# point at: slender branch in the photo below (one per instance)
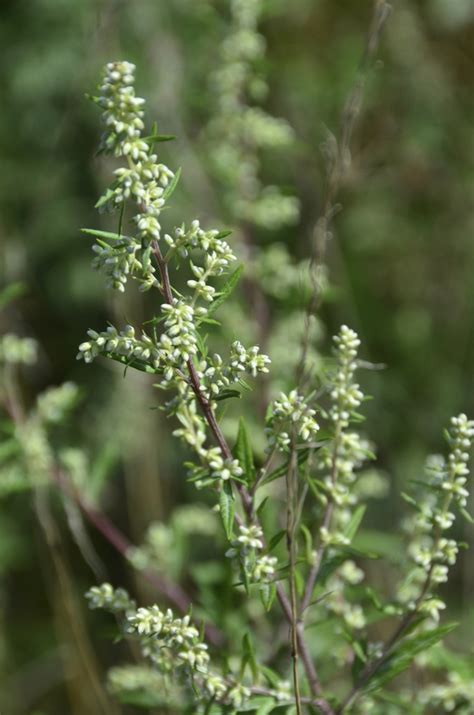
(372, 668)
(339, 161)
(291, 547)
(314, 571)
(173, 592)
(246, 498)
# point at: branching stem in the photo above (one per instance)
(246, 498)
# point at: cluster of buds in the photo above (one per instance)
(123, 258)
(216, 375)
(347, 451)
(109, 598)
(15, 350)
(55, 402)
(122, 112)
(258, 568)
(432, 552)
(290, 411)
(196, 238)
(238, 131)
(351, 613)
(179, 339)
(170, 644)
(345, 394)
(123, 344)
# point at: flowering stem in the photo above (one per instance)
(246, 498)
(406, 621)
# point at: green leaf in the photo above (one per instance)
(243, 452)
(227, 394)
(104, 234)
(248, 657)
(340, 554)
(171, 186)
(273, 678)
(403, 656)
(275, 540)
(355, 522)
(224, 294)
(9, 448)
(466, 515)
(141, 698)
(261, 507)
(267, 595)
(157, 138)
(410, 500)
(104, 198)
(11, 292)
(360, 659)
(209, 321)
(227, 508)
(282, 470)
(134, 363)
(101, 470)
(308, 541)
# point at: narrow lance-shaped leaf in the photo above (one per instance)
(225, 293)
(172, 185)
(403, 656)
(11, 292)
(355, 522)
(227, 508)
(248, 657)
(243, 452)
(103, 234)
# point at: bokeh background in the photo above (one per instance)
(400, 264)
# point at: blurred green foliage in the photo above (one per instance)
(400, 263)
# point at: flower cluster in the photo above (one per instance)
(352, 613)
(15, 350)
(122, 113)
(143, 181)
(257, 567)
(345, 394)
(185, 240)
(456, 695)
(216, 375)
(347, 451)
(121, 345)
(286, 412)
(147, 183)
(179, 340)
(55, 402)
(239, 130)
(105, 596)
(123, 258)
(430, 549)
(171, 644)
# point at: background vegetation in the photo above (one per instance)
(400, 266)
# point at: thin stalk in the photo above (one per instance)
(291, 547)
(339, 161)
(314, 571)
